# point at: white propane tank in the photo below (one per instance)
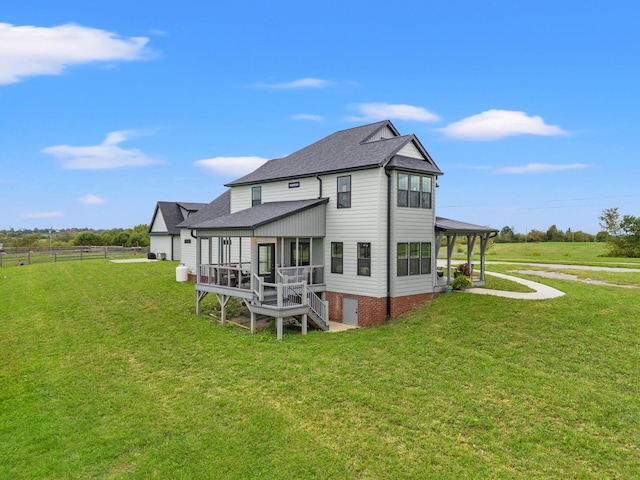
(182, 273)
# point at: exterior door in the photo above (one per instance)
(350, 311)
(267, 262)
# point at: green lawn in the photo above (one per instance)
(106, 372)
(581, 253)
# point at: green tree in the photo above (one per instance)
(554, 235)
(624, 233)
(87, 239)
(536, 236)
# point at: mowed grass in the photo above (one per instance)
(578, 253)
(106, 372)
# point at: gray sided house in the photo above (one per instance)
(342, 230)
(163, 231)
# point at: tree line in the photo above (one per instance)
(137, 236)
(553, 234)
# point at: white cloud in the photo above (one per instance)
(43, 215)
(297, 84)
(539, 168)
(93, 200)
(231, 166)
(308, 116)
(104, 156)
(496, 124)
(383, 111)
(29, 50)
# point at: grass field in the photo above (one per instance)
(106, 372)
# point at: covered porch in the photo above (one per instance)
(452, 230)
(271, 256)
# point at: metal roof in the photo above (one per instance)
(455, 226)
(262, 214)
(341, 151)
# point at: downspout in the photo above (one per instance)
(320, 186)
(388, 174)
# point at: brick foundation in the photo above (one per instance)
(372, 310)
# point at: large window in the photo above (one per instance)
(414, 258)
(336, 257)
(414, 191)
(256, 196)
(344, 192)
(364, 259)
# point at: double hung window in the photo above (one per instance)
(414, 258)
(344, 191)
(336, 257)
(414, 191)
(364, 259)
(256, 196)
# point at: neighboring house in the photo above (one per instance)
(163, 231)
(343, 230)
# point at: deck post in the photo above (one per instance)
(223, 299)
(304, 324)
(253, 322)
(279, 327)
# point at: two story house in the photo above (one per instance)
(343, 230)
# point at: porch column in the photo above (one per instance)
(471, 241)
(198, 257)
(451, 242)
(484, 241)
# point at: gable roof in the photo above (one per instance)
(352, 149)
(259, 215)
(462, 228)
(219, 207)
(173, 213)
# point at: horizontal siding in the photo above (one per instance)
(410, 225)
(365, 221)
(275, 192)
(410, 150)
(383, 133)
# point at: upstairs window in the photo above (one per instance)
(414, 191)
(256, 196)
(364, 259)
(336, 257)
(344, 191)
(403, 190)
(425, 197)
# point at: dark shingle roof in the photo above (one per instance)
(413, 164)
(462, 228)
(172, 214)
(259, 215)
(219, 207)
(340, 151)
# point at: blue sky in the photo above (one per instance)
(531, 109)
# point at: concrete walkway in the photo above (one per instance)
(542, 292)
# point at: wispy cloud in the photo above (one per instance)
(104, 156)
(93, 200)
(297, 84)
(43, 215)
(29, 50)
(539, 168)
(230, 166)
(497, 124)
(383, 111)
(308, 116)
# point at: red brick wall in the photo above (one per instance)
(372, 310)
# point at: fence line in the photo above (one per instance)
(26, 256)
